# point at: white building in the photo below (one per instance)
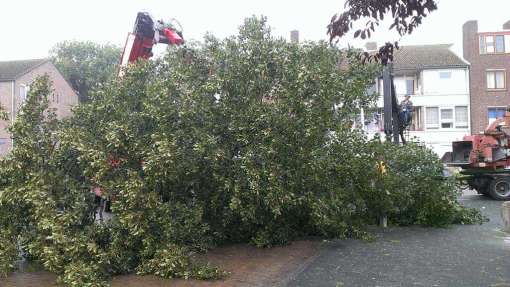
(438, 82)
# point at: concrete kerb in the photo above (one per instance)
(505, 215)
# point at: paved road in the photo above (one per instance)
(476, 255)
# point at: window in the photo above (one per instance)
(496, 80)
(461, 117)
(23, 92)
(495, 113)
(55, 97)
(417, 120)
(489, 44)
(432, 117)
(491, 80)
(445, 75)
(500, 44)
(482, 45)
(446, 118)
(409, 87)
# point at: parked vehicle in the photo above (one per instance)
(484, 159)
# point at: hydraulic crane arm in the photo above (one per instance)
(146, 33)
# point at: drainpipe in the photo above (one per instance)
(12, 107)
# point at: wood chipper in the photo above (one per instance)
(484, 159)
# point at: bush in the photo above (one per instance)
(245, 139)
(174, 261)
(413, 189)
(8, 254)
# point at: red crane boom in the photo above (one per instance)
(146, 33)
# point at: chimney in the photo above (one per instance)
(506, 26)
(294, 36)
(470, 42)
(371, 46)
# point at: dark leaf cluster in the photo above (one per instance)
(407, 15)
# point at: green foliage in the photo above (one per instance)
(174, 262)
(3, 114)
(86, 65)
(8, 253)
(79, 273)
(413, 190)
(236, 140)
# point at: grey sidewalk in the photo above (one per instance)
(475, 255)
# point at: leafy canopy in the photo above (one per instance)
(86, 65)
(246, 139)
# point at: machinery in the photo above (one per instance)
(484, 159)
(396, 120)
(146, 33)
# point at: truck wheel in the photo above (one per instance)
(480, 184)
(499, 188)
(483, 191)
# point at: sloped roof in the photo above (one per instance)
(10, 70)
(411, 59)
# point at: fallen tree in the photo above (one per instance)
(246, 139)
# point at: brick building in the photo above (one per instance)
(15, 80)
(489, 56)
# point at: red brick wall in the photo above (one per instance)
(481, 98)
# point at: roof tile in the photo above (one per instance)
(10, 70)
(411, 59)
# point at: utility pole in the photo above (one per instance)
(391, 123)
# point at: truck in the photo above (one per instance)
(484, 159)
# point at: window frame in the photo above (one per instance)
(412, 81)
(461, 125)
(430, 126)
(23, 97)
(487, 44)
(454, 124)
(418, 120)
(495, 71)
(496, 108)
(446, 121)
(445, 75)
(483, 43)
(496, 44)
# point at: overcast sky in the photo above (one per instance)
(29, 28)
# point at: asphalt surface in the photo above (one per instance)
(471, 255)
